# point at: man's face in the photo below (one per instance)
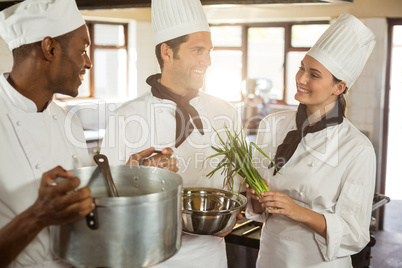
(190, 63)
(74, 62)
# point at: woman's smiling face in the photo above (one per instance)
(315, 85)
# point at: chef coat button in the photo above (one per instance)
(328, 138)
(311, 164)
(301, 194)
(74, 156)
(54, 117)
(37, 166)
(111, 107)
(18, 123)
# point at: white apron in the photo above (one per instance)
(149, 121)
(32, 143)
(331, 172)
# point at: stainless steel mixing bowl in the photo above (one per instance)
(210, 211)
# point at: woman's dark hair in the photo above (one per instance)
(341, 97)
(174, 44)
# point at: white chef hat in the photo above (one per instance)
(32, 20)
(344, 48)
(174, 18)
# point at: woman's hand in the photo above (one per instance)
(163, 159)
(255, 199)
(280, 203)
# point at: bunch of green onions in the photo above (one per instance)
(238, 160)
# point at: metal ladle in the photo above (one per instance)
(103, 164)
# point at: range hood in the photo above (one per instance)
(108, 4)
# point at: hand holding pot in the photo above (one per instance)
(163, 159)
(53, 206)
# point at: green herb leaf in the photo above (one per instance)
(238, 160)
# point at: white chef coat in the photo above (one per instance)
(331, 172)
(150, 121)
(32, 143)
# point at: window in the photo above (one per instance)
(265, 57)
(303, 37)
(226, 63)
(270, 53)
(108, 77)
(110, 60)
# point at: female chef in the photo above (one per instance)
(319, 208)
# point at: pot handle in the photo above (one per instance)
(92, 219)
(103, 164)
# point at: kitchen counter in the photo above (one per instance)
(243, 243)
(245, 233)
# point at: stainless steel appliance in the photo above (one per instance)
(140, 228)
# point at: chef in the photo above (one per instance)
(39, 140)
(323, 183)
(175, 113)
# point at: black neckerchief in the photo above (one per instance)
(293, 138)
(184, 110)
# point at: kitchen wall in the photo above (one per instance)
(142, 63)
(262, 13)
(272, 12)
(142, 56)
(365, 99)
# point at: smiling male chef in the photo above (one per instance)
(49, 42)
(175, 113)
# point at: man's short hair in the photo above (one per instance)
(174, 44)
(23, 51)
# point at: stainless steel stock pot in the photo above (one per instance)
(140, 228)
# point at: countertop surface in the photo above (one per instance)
(246, 233)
